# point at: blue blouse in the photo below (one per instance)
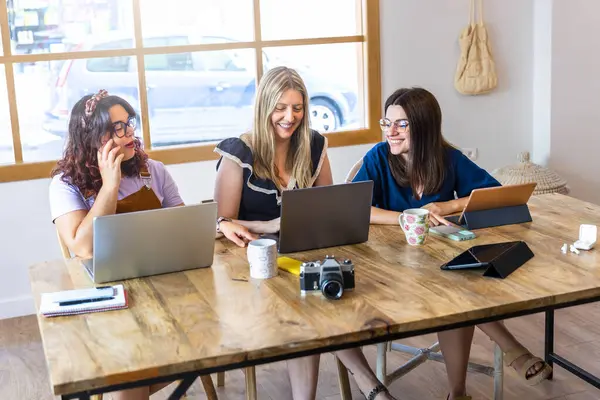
(462, 176)
(261, 199)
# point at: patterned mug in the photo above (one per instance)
(262, 257)
(415, 224)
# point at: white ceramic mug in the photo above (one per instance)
(262, 256)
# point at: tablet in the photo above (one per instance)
(496, 197)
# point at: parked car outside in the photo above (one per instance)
(192, 97)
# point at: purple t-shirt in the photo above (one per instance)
(65, 198)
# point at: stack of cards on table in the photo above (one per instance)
(82, 301)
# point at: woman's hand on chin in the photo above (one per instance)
(238, 234)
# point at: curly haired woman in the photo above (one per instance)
(105, 171)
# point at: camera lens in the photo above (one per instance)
(332, 289)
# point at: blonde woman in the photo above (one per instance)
(280, 153)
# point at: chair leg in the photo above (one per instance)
(250, 374)
(382, 349)
(220, 379)
(209, 387)
(343, 380)
(498, 373)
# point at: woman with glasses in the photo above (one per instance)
(417, 168)
(105, 171)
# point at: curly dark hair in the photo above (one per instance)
(79, 164)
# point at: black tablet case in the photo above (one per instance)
(505, 263)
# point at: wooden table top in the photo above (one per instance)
(217, 316)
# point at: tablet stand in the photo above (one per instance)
(495, 217)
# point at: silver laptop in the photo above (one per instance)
(324, 216)
(153, 242)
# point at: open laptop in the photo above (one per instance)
(495, 197)
(324, 216)
(152, 242)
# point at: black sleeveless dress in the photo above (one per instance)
(261, 200)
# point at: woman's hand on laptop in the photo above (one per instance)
(238, 234)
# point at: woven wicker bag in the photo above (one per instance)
(525, 172)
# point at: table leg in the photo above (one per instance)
(183, 387)
(549, 339)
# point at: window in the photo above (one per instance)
(109, 64)
(190, 70)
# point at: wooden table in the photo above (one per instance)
(183, 325)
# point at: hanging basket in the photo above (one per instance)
(525, 171)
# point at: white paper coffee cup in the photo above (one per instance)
(262, 256)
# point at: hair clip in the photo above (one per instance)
(90, 105)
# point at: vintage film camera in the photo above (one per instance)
(331, 277)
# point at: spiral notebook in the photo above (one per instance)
(81, 301)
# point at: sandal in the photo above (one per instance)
(514, 354)
(376, 390)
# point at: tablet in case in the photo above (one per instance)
(496, 206)
(499, 259)
(493, 217)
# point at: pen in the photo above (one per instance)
(74, 302)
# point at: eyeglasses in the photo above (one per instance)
(400, 125)
(119, 128)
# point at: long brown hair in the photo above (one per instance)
(262, 138)
(79, 164)
(425, 166)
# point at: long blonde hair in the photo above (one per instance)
(262, 137)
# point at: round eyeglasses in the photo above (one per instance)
(119, 128)
(401, 125)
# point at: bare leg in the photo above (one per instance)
(142, 393)
(456, 348)
(357, 364)
(132, 394)
(502, 336)
(158, 386)
(304, 373)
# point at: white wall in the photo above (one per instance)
(418, 47)
(575, 118)
(542, 81)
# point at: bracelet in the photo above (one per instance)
(221, 219)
